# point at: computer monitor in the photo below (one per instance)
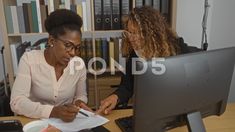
(193, 86)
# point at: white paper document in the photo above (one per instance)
(79, 123)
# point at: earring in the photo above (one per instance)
(49, 45)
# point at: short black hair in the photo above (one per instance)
(61, 20)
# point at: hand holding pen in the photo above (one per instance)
(67, 112)
(82, 105)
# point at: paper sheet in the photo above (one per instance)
(80, 122)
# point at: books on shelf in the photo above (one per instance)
(108, 14)
(28, 16)
(105, 48)
(18, 49)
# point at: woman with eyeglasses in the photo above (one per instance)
(147, 35)
(44, 86)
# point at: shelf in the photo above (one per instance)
(108, 31)
(25, 34)
(86, 34)
(107, 34)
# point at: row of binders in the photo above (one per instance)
(111, 14)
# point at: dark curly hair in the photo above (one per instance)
(61, 20)
(158, 38)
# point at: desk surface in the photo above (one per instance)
(223, 123)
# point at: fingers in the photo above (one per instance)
(68, 113)
(68, 119)
(109, 108)
(108, 104)
(85, 107)
(104, 105)
(52, 129)
(72, 108)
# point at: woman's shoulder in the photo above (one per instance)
(185, 48)
(32, 56)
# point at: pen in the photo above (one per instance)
(83, 113)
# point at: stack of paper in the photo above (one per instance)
(80, 122)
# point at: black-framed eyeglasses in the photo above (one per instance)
(69, 46)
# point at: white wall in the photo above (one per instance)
(189, 17)
(1, 67)
(222, 33)
(221, 28)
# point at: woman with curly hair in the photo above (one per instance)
(44, 87)
(147, 35)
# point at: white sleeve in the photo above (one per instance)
(81, 89)
(20, 102)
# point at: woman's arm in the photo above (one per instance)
(81, 89)
(80, 98)
(125, 89)
(20, 102)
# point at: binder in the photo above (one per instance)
(107, 13)
(148, 3)
(20, 16)
(26, 17)
(111, 55)
(98, 14)
(88, 8)
(84, 14)
(73, 8)
(38, 11)
(139, 3)
(9, 21)
(43, 9)
(165, 8)
(116, 23)
(116, 49)
(157, 4)
(35, 21)
(89, 49)
(105, 50)
(125, 8)
(83, 52)
(30, 17)
(56, 4)
(14, 19)
(98, 46)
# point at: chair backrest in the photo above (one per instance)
(40, 41)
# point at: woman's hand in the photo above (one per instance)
(50, 128)
(108, 104)
(67, 113)
(82, 105)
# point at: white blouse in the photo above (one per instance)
(36, 90)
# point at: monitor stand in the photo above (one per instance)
(195, 123)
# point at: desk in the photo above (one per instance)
(224, 123)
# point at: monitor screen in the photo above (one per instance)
(167, 91)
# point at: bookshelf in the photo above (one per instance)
(98, 85)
